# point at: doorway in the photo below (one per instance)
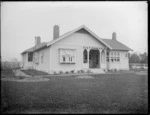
(94, 57)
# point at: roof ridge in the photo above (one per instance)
(76, 29)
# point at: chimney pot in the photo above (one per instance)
(55, 32)
(114, 36)
(37, 40)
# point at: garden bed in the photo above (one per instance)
(33, 72)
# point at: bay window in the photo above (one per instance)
(67, 56)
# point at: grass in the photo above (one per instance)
(8, 73)
(107, 93)
(137, 70)
(34, 72)
(5, 73)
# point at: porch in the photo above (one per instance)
(94, 58)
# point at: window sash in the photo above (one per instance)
(30, 57)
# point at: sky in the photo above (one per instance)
(22, 21)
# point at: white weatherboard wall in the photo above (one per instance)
(124, 60)
(45, 66)
(75, 41)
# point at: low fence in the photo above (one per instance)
(10, 65)
(138, 66)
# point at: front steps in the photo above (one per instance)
(97, 70)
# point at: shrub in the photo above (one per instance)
(89, 71)
(55, 72)
(61, 72)
(82, 71)
(111, 70)
(78, 71)
(105, 70)
(115, 70)
(67, 72)
(72, 71)
(21, 77)
(121, 70)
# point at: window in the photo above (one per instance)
(70, 59)
(118, 56)
(30, 57)
(112, 59)
(64, 59)
(85, 56)
(107, 56)
(115, 57)
(67, 56)
(118, 59)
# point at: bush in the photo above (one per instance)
(72, 71)
(82, 71)
(78, 71)
(55, 72)
(21, 77)
(67, 72)
(61, 72)
(89, 71)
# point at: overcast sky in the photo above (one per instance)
(22, 21)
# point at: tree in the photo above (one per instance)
(134, 58)
(14, 60)
(144, 58)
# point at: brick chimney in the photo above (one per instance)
(55, 32)
(114, 36)
(37, 40)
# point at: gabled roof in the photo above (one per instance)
(111, 44)
(32, 49)
(116, 45)
(75, 30)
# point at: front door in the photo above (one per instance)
(94, 59)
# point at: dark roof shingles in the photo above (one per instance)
(32, 49)
(116, 45)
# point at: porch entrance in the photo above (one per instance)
(94, 57)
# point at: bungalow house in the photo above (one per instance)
(75, 50)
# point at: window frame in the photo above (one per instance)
(85, 56)
(67, 59)
(114, 57)
(30, 56)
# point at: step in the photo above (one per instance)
(97, 70)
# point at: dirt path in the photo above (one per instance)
(85, 77)
(18, 72)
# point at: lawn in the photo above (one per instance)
(106, 93)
